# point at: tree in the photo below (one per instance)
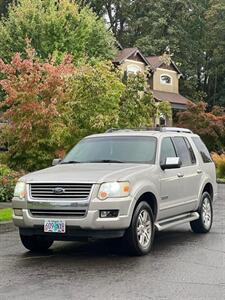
(34, 92)
(137, 105)
(4, 6)
(215, 18)
(209, 125)
(55, 28)
(93, 100)
(192, 31)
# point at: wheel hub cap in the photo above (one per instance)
(206, 213)
(144, 228)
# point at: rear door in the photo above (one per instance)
(189, 174)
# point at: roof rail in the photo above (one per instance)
(158, 128)
(131, 129)
(175, 129)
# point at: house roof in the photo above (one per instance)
(171, 97)
(125, 53)
(156, 61)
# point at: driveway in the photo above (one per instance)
(182, 265)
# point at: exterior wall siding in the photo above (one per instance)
(128, 62)
(157, 85)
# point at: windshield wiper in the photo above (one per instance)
(70, 162)
(105, 161)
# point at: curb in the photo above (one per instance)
(7, 226)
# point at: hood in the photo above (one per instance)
(85, 172)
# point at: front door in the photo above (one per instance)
(170, 189)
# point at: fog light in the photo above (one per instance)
(109, 213)
(18, 212)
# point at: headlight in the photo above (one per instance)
(20, 190)
(113, 190)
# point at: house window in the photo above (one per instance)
(165, 79)
(133, 69)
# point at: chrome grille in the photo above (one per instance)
(56, 213)
(60, 190)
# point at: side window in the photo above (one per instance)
(191, 151)
(202, 149)
(182, 151)
(167, 150)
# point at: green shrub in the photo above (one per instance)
(8, 180)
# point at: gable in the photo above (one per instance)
(168, 67)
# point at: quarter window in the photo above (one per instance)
(202, 149)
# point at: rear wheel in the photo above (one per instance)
(204, 223)
(36, 243)
(139, 236)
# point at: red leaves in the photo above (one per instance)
(34, 92)
(209, 125)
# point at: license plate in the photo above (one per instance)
(55, 226)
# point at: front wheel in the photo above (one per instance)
(139, 236)
(204, 223)
(36, 243)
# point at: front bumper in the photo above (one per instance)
(91, 220)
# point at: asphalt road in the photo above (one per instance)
(182, 265)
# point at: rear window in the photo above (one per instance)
(202, 149)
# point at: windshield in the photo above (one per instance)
(114, 150)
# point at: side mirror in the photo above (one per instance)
(56, 161)
(171, 163)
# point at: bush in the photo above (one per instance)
(34, 91)
(209, 125)
(8, 179)
(220, 164)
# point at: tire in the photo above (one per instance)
(204, 223)
(139, 236)
(36, 243)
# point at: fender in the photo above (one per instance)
(203, 184)
(139, 189)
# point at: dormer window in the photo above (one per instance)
(165, 79)
(133, 69)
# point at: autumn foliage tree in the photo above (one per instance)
(209, 125)
(34, 91)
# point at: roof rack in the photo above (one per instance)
(158, 128)
(175, 129)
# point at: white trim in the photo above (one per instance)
(134, 61)
(165, 83)
(138, 69)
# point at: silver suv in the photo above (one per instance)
(122, 184)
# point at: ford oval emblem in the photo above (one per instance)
(58, 191)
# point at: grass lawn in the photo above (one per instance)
(5, 214)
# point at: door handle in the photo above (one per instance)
(199, 171)
(180, 175)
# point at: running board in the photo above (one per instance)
(184, 218)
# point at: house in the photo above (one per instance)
(163, 79)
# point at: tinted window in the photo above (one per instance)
(202, 149)
(182, 151)
(121, 149)
(167, 150)
(191, 151)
